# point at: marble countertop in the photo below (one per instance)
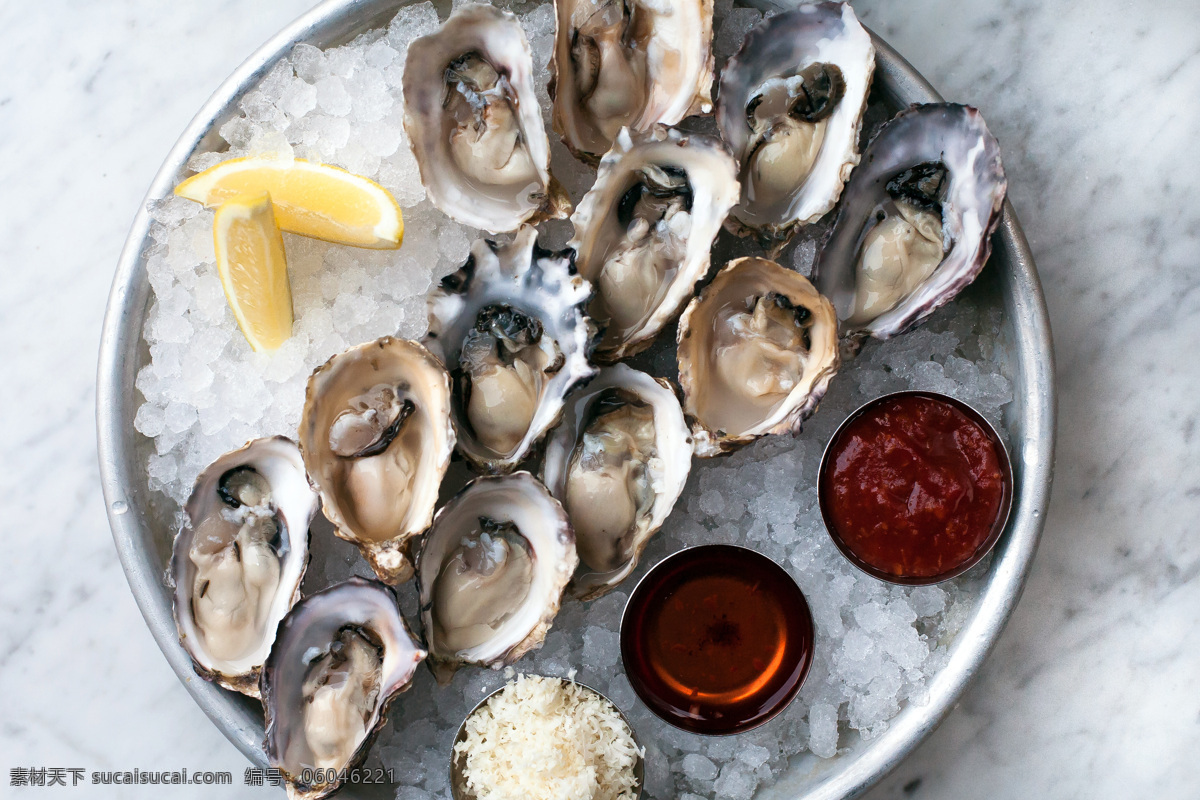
(1091, 691)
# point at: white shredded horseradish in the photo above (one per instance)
(548, 739)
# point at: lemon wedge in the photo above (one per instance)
(253, 269)
(311, 199)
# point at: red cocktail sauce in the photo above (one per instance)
(914, 487)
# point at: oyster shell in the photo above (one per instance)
(618, 463)
(475, 125)
(757, 349)
(790, 106)
(916, 220)
(238, 561)
(510, 327)
(377, 439)
(341, 657)
(491, 573)
(627, 63)
(644, 231)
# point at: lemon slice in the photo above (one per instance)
(253, 269)
(310, 199)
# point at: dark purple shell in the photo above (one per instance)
(308, 629)
(540, 284)
(957, 137)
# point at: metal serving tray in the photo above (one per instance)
(143, 539)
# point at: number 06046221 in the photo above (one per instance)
(320, 776)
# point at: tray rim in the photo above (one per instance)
(1033, 412)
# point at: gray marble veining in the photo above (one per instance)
(1091, 691)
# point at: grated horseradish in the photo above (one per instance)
(546, 739)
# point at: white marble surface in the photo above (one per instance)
(1092, 691)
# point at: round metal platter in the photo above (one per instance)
(142, 530)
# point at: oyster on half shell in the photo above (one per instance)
(618, 462)
(757, 349)
(238, 561)
(790, 106)
(644, 231)
(916, 220)
(491, 573)
(377, 439)
(628, 64)
(341, 657)
(511, 329)
(474, 122)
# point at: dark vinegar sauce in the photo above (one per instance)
(717, 639)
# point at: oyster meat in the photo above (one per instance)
(341, 657)
(644, 231)
(757, 349)
(618, 462)
(510, 327)
(791, 105)
(916, 221)
(377, 439)
(474, 122)
(238, 561)
(628, 64)
(491, 573)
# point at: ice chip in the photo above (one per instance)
(412, 22)
(601, 647)
(355, 158)
(822, 730)
(698, 768)
(380, 54)
(259, 108)
(309, 62)
(345, 61)
(149, 420)
(453, 243)
(380, 138)
(412, 792)
(162, 469)
(927, 600)
(735, 783)
(754, 756)
(178, 417)
(202, 161)
(712, 503)
(856, 645)
(299, 98)
(332, 97)
(239, 131)
(273, 145)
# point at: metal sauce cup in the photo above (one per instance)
(1002, 513)
(722, 710)
(458, 781)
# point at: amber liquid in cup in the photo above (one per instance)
(717, 639)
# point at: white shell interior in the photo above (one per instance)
(782, 46)
(668, 470)
(712, 176)
(278, 460)
(521, 499)
(402, 482)
(498, 38)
